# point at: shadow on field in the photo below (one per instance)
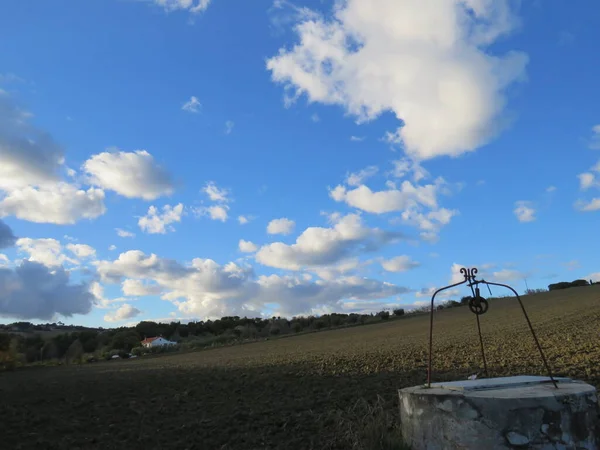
(141, 404)
(213, 408)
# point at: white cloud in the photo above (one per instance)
(429, 223)
(428, 293)
(595, 277)
(551, 189)
(124, 233)
(82, 251)
(208, 290)
(318, 246)
(247, 246)
(193, 105)
(215, 212)
(405, 166)
(357, 138)
(136, 288)
(506, 275)
(131, 174)
(524, 211)
(430, 66)
(48, 252)
(595, 140)
(35, 291)
(156, 223)
(281, 226)
(243, 220)
(60, 204)
(399, 264)
(28, 155)
(315, 118)
(124, 312)
(391, 200)
(592, 205)
(112, 248)
(229, 126)
(357, 178)
(97, 290)
(587, 180)
(193, 6)
(215, 193)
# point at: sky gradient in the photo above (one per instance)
(191, 159)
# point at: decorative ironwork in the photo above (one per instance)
(479, 306)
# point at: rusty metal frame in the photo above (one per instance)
(470, 278)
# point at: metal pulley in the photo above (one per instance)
(478, 305)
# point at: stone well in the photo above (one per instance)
(501, 413)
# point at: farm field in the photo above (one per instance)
(331, 389)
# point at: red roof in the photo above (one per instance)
(149, 340)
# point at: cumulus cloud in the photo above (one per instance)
(215, 212)
(318, 246)
(243, 220)
(215, 193)
(357, 178)
(193, 105)
(97, 290)
(34, 291)
(247, 246)
(524, 211)
(281, 226)
(82, 250)
(193, 6)
(7, 238)
(207, 289)
(589, 180)
(430, 66)
(506, 275)
(112, 248)
(124, 233)
(399, 264)
(592, 205)
(229, 126)
(137, 288)
(59, 204)
(48, 252)
(391, 200)
(155, 222)
(28, 155)
(124, 312)
(131, 174)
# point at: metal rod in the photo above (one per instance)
(482, 348)
(537, 342)
(467, 277)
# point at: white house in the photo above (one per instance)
(157, 342)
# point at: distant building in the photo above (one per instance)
(157, 342)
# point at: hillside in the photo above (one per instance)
(333, 389)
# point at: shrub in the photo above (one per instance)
(399, 312)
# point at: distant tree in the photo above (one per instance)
(75, 352)
(383, 315)
(49, 350)
(465, 300)
(399, 312)
(319, 324)
(296, 327)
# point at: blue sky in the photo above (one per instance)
(290, 158)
